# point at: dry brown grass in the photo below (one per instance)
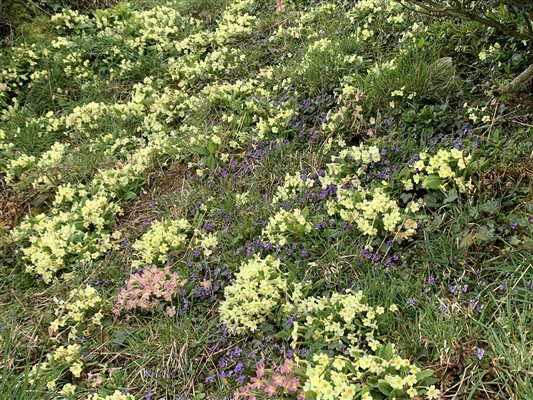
(11, 208)
(498, 181)
(170, 179)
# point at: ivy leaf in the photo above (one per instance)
(120, 337)
(433, 182)
(451, 196)
(431, 200)
(478, 165)
(491, 207)
(405, 197)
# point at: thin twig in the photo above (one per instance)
(461, 12)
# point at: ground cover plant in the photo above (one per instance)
(205, 199)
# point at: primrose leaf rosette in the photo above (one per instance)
(347, 359)
(259, 288)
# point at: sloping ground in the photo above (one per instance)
(209, 200)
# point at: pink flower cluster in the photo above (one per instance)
(145, 289)
(279, 382)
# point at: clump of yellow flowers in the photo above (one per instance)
(170, 236)
(350, 165)
(368, 206)
(76, 319)
(440, 171)
(285, 225)
(78, 228)
(350, 360)
(81, 309)
(371, 206)
(206, 240)
(117, 395)
(369, 210)
(259, 287)
(293, 185)
(160, 240)
(53, 240)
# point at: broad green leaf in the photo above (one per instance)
(432, 182)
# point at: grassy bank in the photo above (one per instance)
(203, 199)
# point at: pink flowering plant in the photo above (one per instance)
(147, 289)
(280, 381)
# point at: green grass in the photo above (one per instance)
(462, 282)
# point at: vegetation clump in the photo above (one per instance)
(253, 199)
